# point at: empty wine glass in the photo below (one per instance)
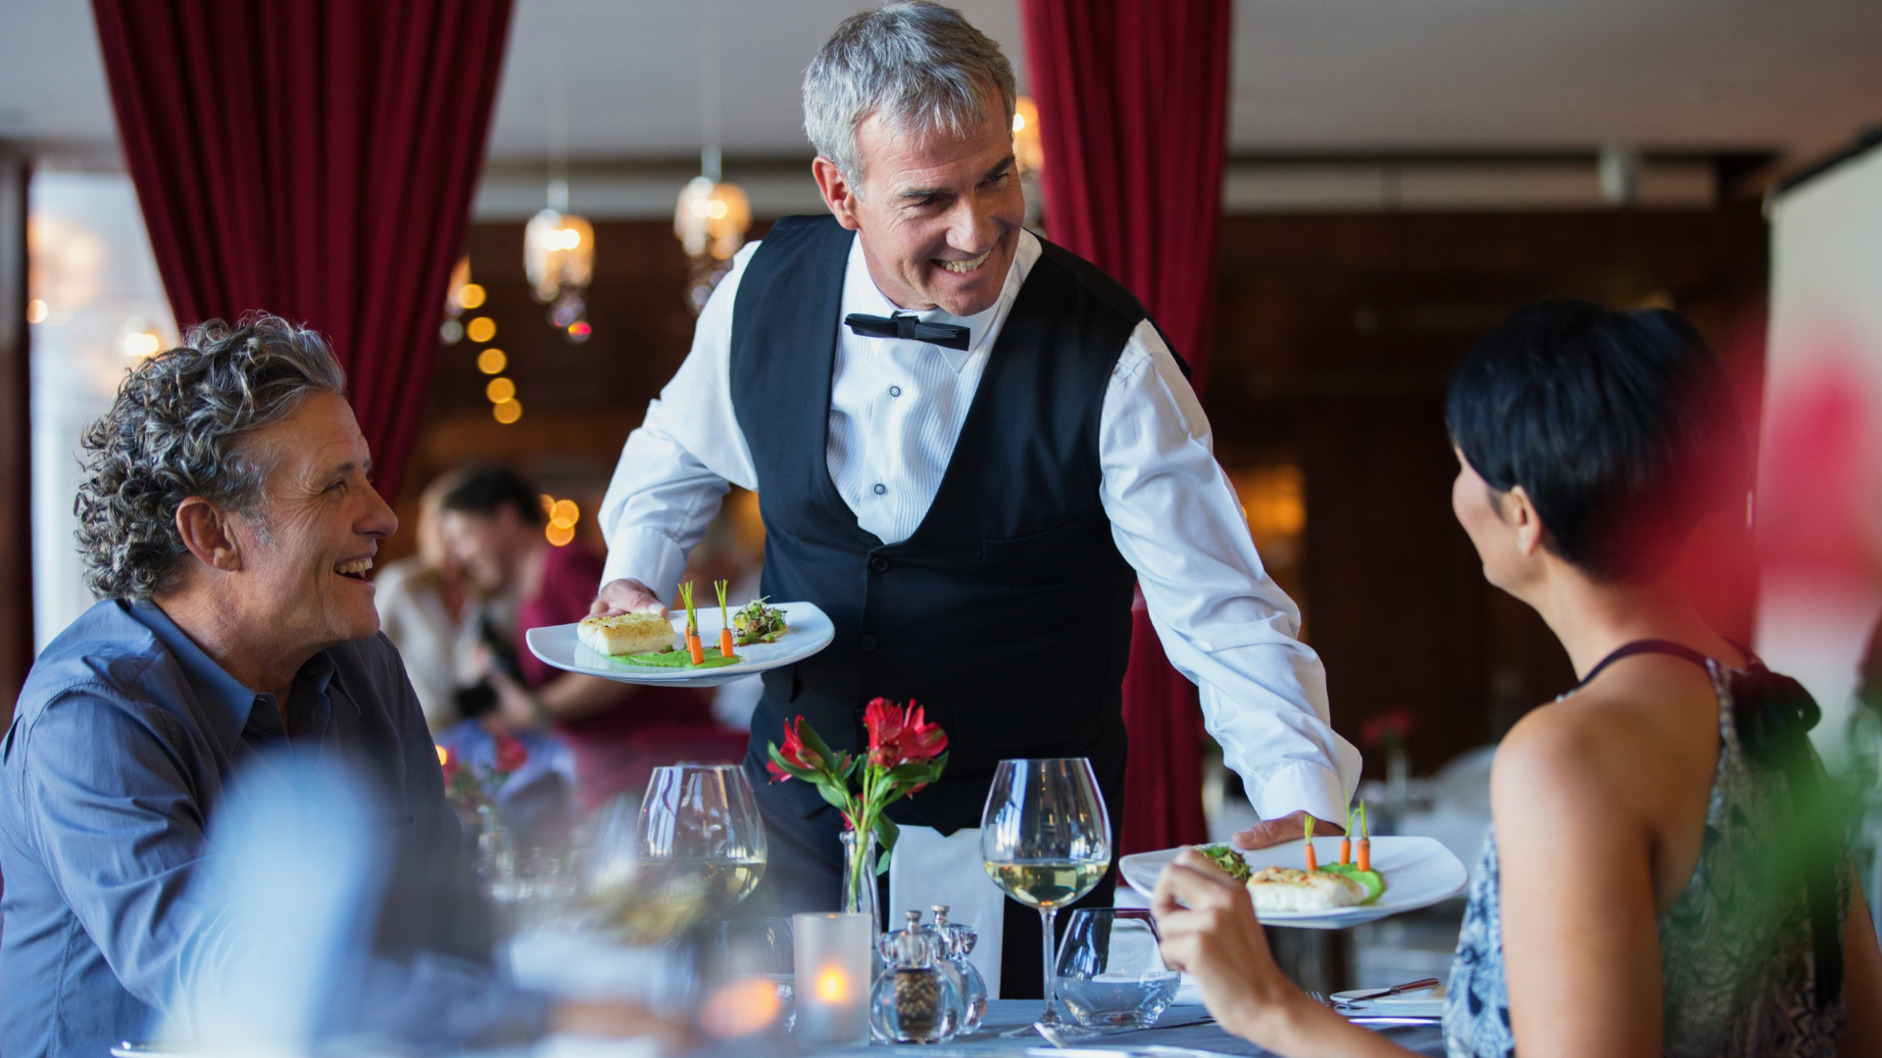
(1111, 971)
(1045, 838)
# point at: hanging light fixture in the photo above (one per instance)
(712, 215)
(558, 246)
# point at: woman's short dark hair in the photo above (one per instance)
(488, 488)
(1621, 427)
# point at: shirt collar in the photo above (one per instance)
(226, 701)
(860, 294)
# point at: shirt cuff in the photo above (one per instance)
(645, 555)
(1314, 788)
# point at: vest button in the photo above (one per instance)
(895, 391)
(869, 643)
(881, 488)
(879, 564)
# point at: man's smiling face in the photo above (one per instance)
(304, 561)
(939, 216)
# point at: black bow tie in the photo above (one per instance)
(904, 325)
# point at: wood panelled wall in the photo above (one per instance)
(1335, 336)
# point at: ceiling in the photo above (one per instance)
(1311, 76)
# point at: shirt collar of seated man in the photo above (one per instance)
(264, 591)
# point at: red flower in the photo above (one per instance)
(511, 754)
(447, 761)
(794, 752)
(1390, 728)
(901, 735)
(922, 740)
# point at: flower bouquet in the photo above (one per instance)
(905, 754)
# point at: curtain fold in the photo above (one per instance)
(314, 159)
(1133, 113)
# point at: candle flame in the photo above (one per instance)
(833, 986)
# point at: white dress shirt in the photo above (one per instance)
(896, 410)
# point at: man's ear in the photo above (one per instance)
(1523, 517)
(838, 193)
(206, 531)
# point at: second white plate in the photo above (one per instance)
(810, 631)
(1418, 872)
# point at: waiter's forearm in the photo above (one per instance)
(657, 507)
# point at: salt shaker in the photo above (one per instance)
(914, 999)
(957, 941)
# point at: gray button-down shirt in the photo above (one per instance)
(122, 747)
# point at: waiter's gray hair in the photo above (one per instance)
(922, 66)
(181, 426)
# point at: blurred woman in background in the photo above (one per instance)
(1667, 872)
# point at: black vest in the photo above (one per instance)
(1007, 613)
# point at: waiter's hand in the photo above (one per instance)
(1287, 828)
(626, 596)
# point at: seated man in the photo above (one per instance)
(227, 523)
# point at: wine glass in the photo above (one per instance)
(1111, 972)
(693, 847)
(1045, 838)
(699, 830)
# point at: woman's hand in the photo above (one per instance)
(1210, 932)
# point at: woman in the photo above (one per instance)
(1664, 875)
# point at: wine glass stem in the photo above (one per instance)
(1046, 915)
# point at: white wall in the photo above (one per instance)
(91, 265)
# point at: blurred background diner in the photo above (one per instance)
(514, 243)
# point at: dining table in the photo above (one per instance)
(1184, 1031)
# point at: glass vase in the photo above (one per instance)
(859, 877)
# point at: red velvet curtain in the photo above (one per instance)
(1133, 112)
(314, 159)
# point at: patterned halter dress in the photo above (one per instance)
(1736, 959)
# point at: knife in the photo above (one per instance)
(1410, 986)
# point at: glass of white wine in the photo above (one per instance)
(699, 837)
(1045, 838)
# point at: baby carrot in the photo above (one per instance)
(1312, 863)
(725, 620)
(1365, 840)
(698, 649)
(1346, 851)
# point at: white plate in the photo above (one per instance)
(1424, 1003)
(1418, 872)
(809, 631)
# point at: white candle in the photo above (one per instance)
(831, 960)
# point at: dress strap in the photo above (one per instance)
(1641, 646)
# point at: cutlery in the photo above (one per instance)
(1409, 986)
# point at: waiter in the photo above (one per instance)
(968, 444)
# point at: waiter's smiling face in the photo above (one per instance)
(939, 216)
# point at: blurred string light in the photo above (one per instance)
(461, 296)
(712, 215)
(140, 340)
(36, 311)
(562, 516)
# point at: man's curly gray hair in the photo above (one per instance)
(179, 428)
(922, 66)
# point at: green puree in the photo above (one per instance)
(680, 659)
(1372, 880)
